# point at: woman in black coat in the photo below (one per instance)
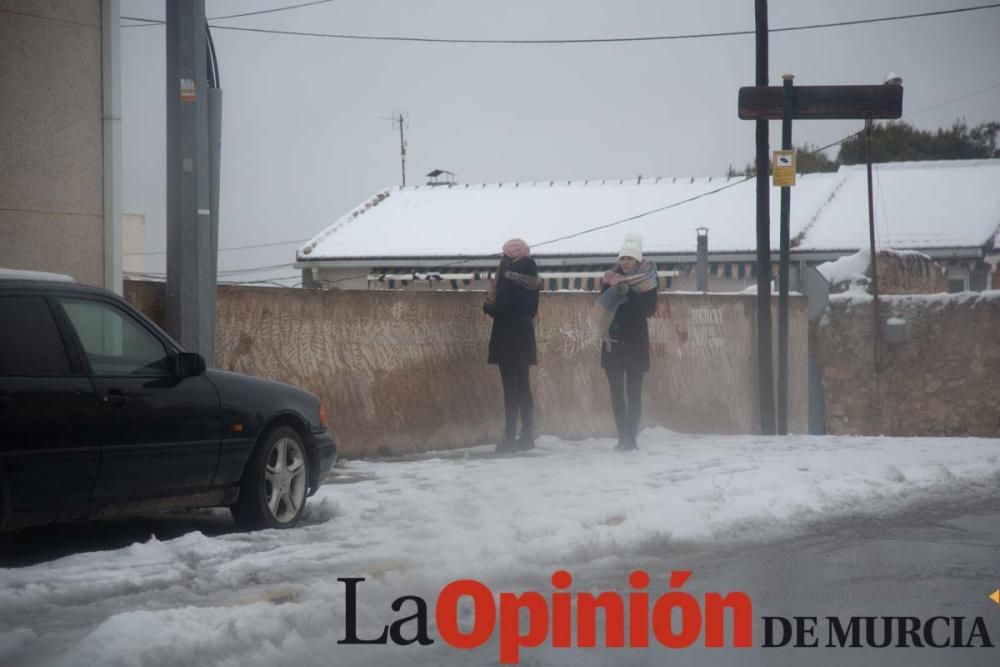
(625, 355)
(513, 304)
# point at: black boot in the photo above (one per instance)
(509, 443)
(633, 433)
(621, 426)
(527, 439)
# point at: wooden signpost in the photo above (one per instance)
(785, 103)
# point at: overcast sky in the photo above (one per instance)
(305, 129)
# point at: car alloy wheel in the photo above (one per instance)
(285, 479)
(275, 482)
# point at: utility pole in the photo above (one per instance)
(190, 282)
(765, 361)
(399, 121)
(876, 318)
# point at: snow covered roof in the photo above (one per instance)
(953, 204)
(918, 205)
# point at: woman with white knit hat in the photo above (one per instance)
(628, 298)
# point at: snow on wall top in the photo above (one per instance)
(918, 205)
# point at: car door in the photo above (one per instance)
(48, 407)
(161, 432)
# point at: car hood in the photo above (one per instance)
(262, 398)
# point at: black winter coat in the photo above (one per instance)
(630, 332)
(513, 338)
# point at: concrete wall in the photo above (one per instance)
(51, 153)
(402, 372)
(943, 380)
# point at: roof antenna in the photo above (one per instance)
(401, 120)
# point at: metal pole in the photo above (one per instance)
(786, 200)
(876, 329)
(111, 116)
(701, 270)
(188, 200)
(215, 164)
(402, 149)
(765, 361)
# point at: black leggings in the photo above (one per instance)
(517, 395)
(626, 381)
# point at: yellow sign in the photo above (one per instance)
(783, 168)
(996, 596)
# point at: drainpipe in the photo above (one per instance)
(111, 117)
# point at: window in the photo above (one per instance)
(30, 344)
(115, 343)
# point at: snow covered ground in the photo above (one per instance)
(409, 527)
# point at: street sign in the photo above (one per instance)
(823, 102)
(783, 168)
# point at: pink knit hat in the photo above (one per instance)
(516, 249)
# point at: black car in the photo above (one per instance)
(101, 412)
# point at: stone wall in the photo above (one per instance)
(944, 379)
(406, 371)
(910, 273)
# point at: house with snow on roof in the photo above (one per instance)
(448, 235)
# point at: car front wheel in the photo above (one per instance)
(275, 483)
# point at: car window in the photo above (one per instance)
(115, 343)
(30, 344)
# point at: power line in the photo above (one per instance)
(589, 230)
(914, 113)
(596, 40)
(327, 283)
(239, 247)
(954, 99)
(145, 23)
(271, 11)
(254, 269)
(151, 22)
(227, 272)
(273, 281)
(643, 214)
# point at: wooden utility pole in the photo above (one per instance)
(765, 361)
(401, 121)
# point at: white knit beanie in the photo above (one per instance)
(632, 247)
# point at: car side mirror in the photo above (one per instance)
(189, 364)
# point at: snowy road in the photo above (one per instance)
(272, 598)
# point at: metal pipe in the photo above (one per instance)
(215, 180)
(111, 119)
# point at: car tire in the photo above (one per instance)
(275, 483)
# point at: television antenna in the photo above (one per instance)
(401, 121)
